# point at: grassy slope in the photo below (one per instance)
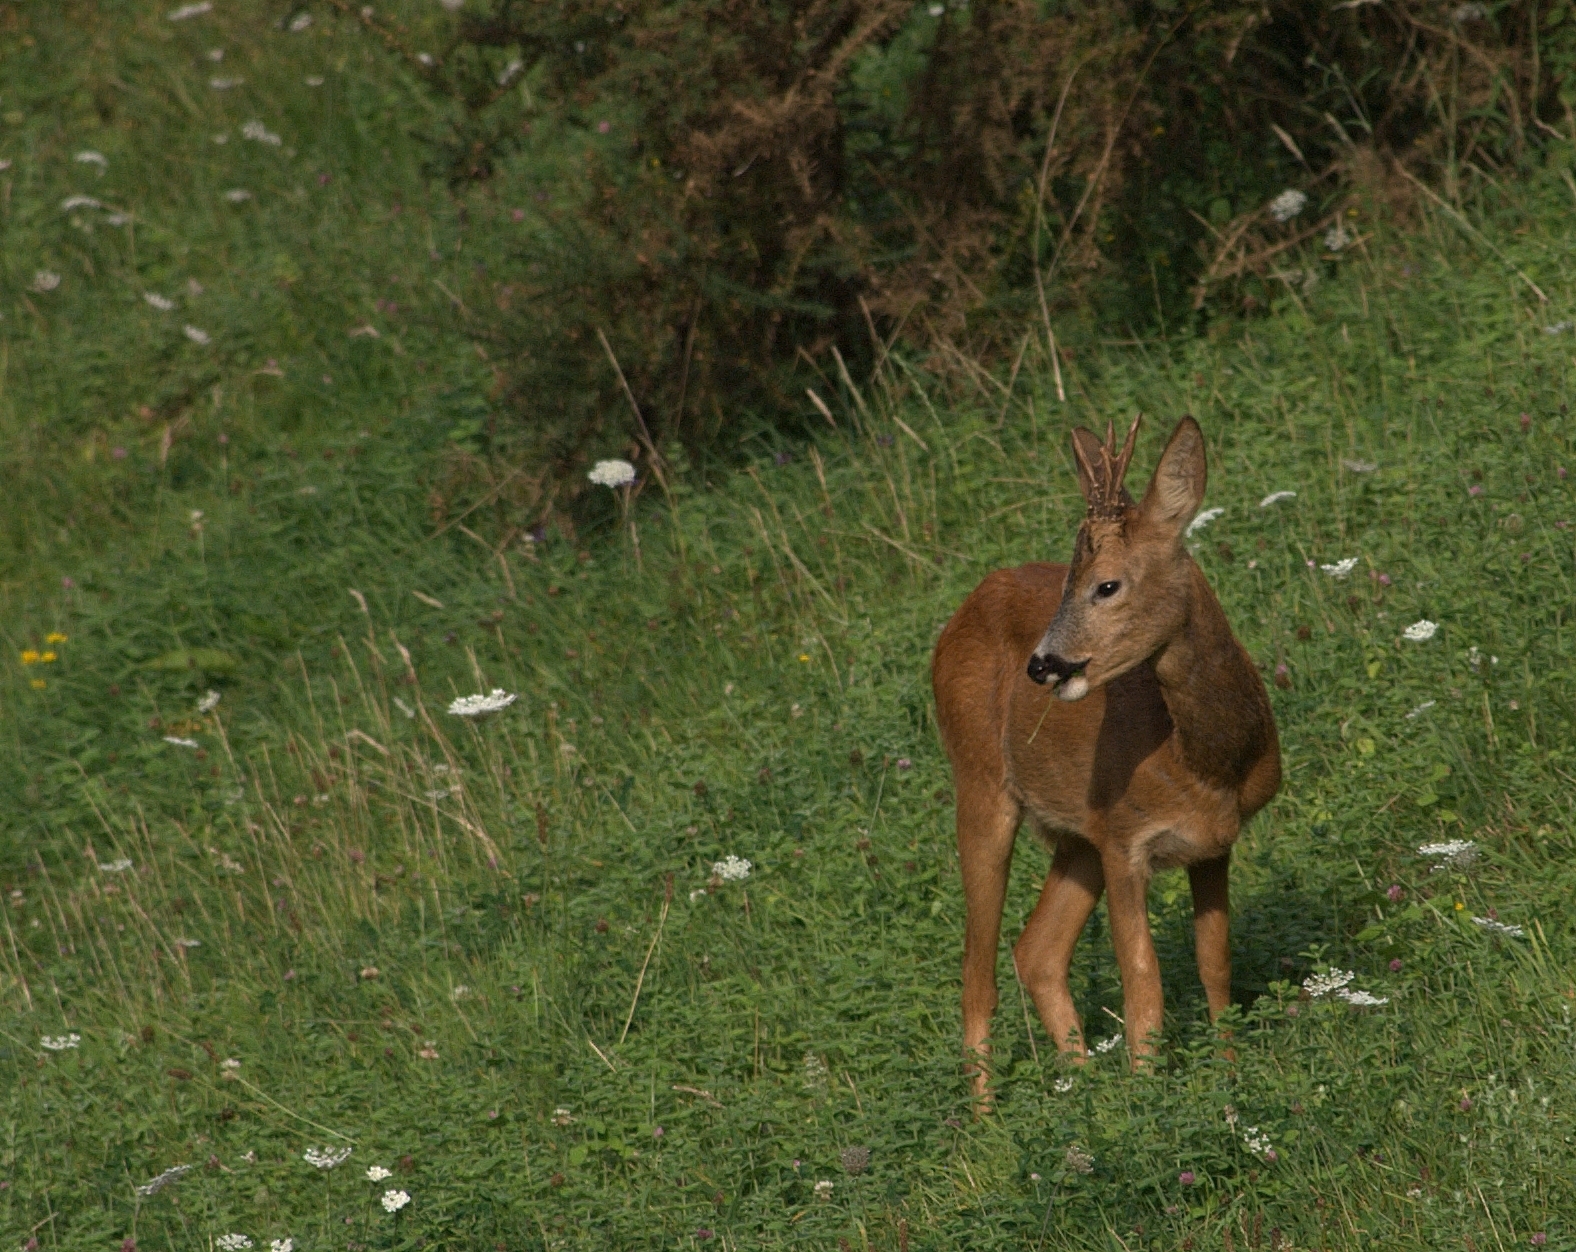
(705, 701)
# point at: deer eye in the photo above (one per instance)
(1106, 590)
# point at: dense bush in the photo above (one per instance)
(729, 189)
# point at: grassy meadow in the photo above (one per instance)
(493, 957)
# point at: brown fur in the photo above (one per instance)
(1159, 765)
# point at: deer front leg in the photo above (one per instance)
(1044, 951)
(987, 827)
(1212, 930)
(1127, 895)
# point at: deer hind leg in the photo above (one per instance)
(1127, 890)
(1212, 930)
(1044, 951)
(987, 827)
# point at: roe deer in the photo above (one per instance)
(1133, 732)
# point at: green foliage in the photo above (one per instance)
(424, 936)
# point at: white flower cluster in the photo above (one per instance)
(197, 335)
(1062, 1086)
(1500, 928)
(1454, 854)
(281, 1245)
(480, 706)
(209, 702)
(377, 1173)
(232, 1242)
(116, 867)
(731, 869)
(1341, 568)
(1077, 1160)
(1336, 238)
(1275, 497)
(156, 1185)
(1107, 1045)
(190, 10)
(60, 1043)
(394, 1201)
(1202, 520)
(325, 1158)
(257, 131)
(1333, 983)
(1288, 204)
(1420, 630)
(823, 1189)
(612, 473)
(162, 303)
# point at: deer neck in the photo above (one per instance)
(1216, 699)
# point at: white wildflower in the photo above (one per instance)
(377, 1173)
(1256, 1141)
(61, 1043)
(117, 219)
(562, 1116)
(79, 202)
(225, 84)
(1062, 1086)
(731, 869)
(1557, 328)
(1341, 568)
(1420, 710)
(1362, 999)
(1500, 928)
(181, 743)
(209, 702)
(116, 867)
(1079, 1161)
(1420, 630)
(45, 280)
(162, 303)
(238, 195)
(1288, 204)
(325, 1158)
(255, 130)
(1471, 12)
(282, 1245)
(1203, 520)
(155, 1185)
(425, 58)
(232, 1242)
(197, 335)
(188, 943)
(404, 708)
(1475, 659)
(394, 1201)
(313, 80)
(1275, 497)
(1359, 467)
(1336, 238)
(216, 54)
(1105, 1045)
(190, 10)
(612, 474)
(823, 1189)
(1317, 985)
(92, 158)
(230, 1064)
(1454, 854)
(936, 10)
(459, 993)
(480, 706)
(300, 22)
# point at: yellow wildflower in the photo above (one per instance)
(1459, 906)
(38, 684)
(29, 656)
(804, 656)
(54, 636)
(48, 658)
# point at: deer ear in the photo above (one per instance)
(1177, 488)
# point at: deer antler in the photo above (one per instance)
(1107, 499)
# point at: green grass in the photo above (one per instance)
(753, 684)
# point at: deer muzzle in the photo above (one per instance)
(1070, 683)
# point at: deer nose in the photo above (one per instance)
(1042, 666)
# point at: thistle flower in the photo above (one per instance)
(190, 10)
(116, 867)
(197, 335)
(855, 1160)
(731, 869)
(480, 706)
(1202, 520)
(255, 130)
(325, 1158)
(1288, 204)
(209, 702)
(1493, 927)
(60, 1043)
(1341, 568)
(377, 1173)
(162, 303)
(155, 1185)
(394, 1201)
(1275, 497)
(612, 473)
(1420, 630)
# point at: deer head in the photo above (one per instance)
(1127, 585)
